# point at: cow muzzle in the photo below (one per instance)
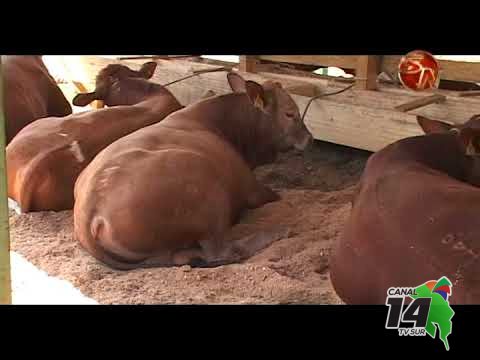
(305, 143)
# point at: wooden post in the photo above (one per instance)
(248, 63)
(5, 279)
(367, 72)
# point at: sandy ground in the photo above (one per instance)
(316, 189)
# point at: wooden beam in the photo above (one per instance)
(340, 61)
(360, 118)
(248, 63)
(367, 72)
(469, 93)
(424, 101)
(357, 126)
(155, 57)
(5, 276)
(306, 89)
(449, 69)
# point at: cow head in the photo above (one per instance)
(468, 134)
(468, 137)
(114, 81)
(274, 100)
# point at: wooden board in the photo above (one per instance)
(449, 69)
(423, 101)
(358, 118)
(358, 126)
(341, 61)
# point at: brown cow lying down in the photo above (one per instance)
(415, 218)
(45, 158)
(168, 194)
(30, 93)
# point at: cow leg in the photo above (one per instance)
(235, 251)
(192, 257)
(261, 195)
(212, 253)
(248, 246)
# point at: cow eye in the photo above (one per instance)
(290, 114)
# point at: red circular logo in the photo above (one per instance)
(418, 70)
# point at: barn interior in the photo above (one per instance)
(365, 110)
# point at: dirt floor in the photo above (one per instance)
(316, 188)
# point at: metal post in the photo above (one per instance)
(5, 279)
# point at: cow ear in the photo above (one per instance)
(430, 126)
(470, 141)
(148, 69)
(256, 94)
(237, 83)
(85, 99)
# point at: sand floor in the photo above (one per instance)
(316, 188)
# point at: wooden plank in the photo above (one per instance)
(469, 93)
(450, 70)
(340, 61)
(359, 118)
(5, 276)
(455, 110)
(306, 89)
(248, 63)
(367, 72)
(154, 57)
(424, 101)
(356, 126)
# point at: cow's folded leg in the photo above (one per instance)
(234, 251)
(250, 245)
(221, 249)
(261, 195)
(193, 257)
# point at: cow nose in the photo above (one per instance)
(305, 143)
(310, 140)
